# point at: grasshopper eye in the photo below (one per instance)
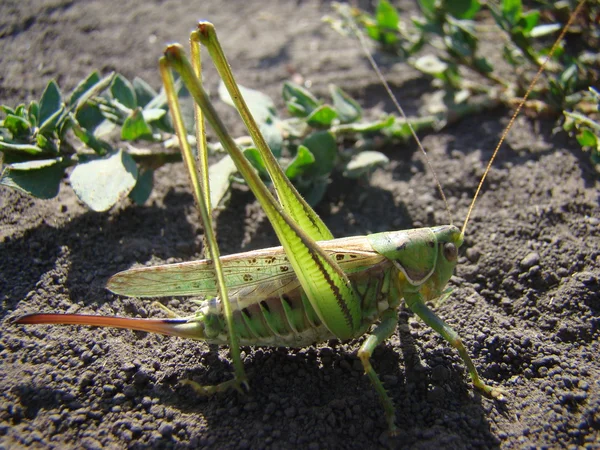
(450, 251)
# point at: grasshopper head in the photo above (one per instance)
(448, 240)
(425, 257)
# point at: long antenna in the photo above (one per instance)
(361, 38)
(518, 110)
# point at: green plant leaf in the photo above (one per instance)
(462, 9)
(35, 164)
(83, 86)
(301, 161)
(220, 175)
(33, 113)
(323, 146)
(386, 15)
(50, 103)
(431, 65)
(17, 126)
(347, 108)
(367, 127)
(100, 183)
(544, 30)
(91, 87)
(264, 112)
(428, 7)
(7, 109)
(461, 41)
(143, 187)
(273, 134)
(373, 31)
(49, 125)
(48, 145)
(300, 102)
(529, 20)
(294, 127)
(511, 11)
(153, 114)
(122, 91)
(483, 65)
(143, 92)
(322, 117)
(261, 106)
(20, 111)
(587, 139)
(253, 155)
(88, 138)
(105, 128)
(314, 192)
(364, 163)
(135, 127)
(39, 178)
(28, 149)
(89, 117)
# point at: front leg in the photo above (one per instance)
(417, 305)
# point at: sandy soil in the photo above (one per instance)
(525, 301)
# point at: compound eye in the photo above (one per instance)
(450, 251)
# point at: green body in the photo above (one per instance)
(269, 305)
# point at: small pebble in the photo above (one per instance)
(473, 254)
(165, 429)
(532, 259)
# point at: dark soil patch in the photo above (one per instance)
(526, 298)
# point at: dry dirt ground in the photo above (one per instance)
(526, 299)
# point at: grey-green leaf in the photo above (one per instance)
(322, 117)
(347, 108)
(220, 179)
(253, 155)
(463, 9)
(84, 86)
(135, 127)
(301, 161)
(40, 178)
(17, 125)
(142, 189)
(324, 148)
(264, 112)
(314, 194)
(300, 102)
(89, 117)
(261, 106)
(20, 148)
(386, 15)
(153, 114)
(50, 102)
(363, 163)
(143, 91)
(90, 88)
(544, 30)
(88, 138)
(368, 127)
(100, 183)
(122, 90)
(48, 125)
(431, 65)
(33, 112)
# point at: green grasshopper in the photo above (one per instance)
(311, 289)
